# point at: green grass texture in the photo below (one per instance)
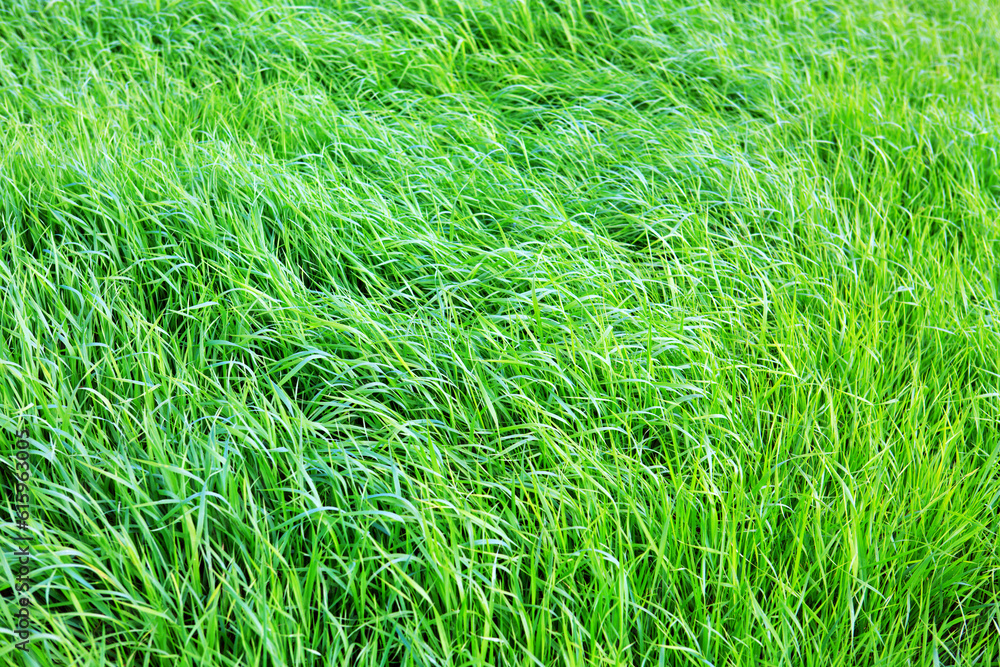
(529, 333)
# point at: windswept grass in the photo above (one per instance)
(626, 332)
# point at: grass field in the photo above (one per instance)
(523, 332)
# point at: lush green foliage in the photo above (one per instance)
(533, 332)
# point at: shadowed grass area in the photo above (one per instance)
(503, 333)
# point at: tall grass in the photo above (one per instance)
(535, 332)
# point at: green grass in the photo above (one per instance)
(523, 332)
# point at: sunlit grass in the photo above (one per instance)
(504, 333)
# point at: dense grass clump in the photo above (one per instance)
(547, 332)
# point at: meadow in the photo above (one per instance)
(502, 332)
